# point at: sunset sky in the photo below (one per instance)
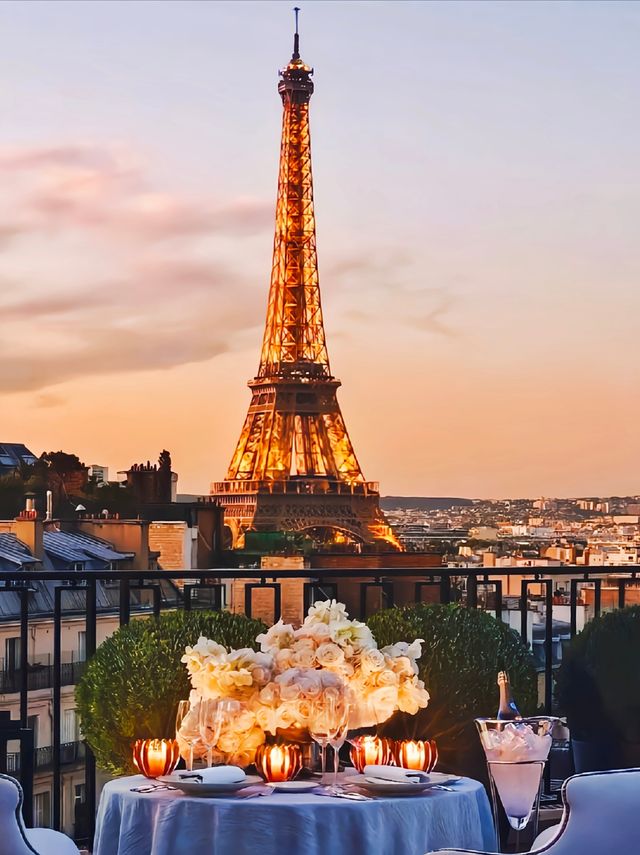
(477, 184)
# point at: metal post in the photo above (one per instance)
(57, 655)
(24, 656)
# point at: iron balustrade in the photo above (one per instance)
(475, 587)
(40, 676)
(70, 754)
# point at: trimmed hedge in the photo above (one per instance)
(462, 653)
(132, 685)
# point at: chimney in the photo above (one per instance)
(29, 529)
(49, 505)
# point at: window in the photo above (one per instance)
(12, 654)
(82, 646)
(79, 794)
(42, 810)
(33, 723)
(69, 726)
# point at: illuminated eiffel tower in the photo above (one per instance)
(294, 467)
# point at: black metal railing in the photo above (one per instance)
(530, 610)
(40, 676)
(70, 754)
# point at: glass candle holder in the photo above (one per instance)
(155, 757)
(278, 762)
(370, 751)
(420, 755)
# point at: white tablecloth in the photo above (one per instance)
(168, 822)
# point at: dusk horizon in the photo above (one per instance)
(476, 194)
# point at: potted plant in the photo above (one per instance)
(463, 651)
(133, 683)
(598, 689)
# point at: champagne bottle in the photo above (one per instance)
(507, 710)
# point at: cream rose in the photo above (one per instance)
(329, 655)
(372, 660)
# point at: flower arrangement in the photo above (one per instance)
(295, 667)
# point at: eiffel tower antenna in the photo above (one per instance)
(294, 467)
(296, 37)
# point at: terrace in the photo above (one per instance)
(533, 614)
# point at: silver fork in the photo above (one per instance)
(151, 788)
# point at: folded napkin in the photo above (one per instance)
(222, 775)
(395, 773)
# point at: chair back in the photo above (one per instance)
(13, 840)
(601, 816)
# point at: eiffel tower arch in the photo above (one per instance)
(294, 467)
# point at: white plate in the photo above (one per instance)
(399, 787)
(295, 786)
(198, 788)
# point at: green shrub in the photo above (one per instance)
(598, 683)
(462, 653)
(132, 685)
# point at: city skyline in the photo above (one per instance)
(478, 297)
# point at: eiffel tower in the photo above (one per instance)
(294, 467)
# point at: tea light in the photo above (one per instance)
(155, 757)
(278, 762)
(370, 751)
(415, 754)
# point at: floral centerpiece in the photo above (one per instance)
(293, 668)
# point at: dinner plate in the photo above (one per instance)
(295, 786)
(199, 788)
(381, 787)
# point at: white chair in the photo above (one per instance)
(15, 839)
(601, 817)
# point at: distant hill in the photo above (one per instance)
(427, 503)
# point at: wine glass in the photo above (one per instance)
(328, 715)
(227, 710)
(362, 720)
(319, 728)
(338, 708)
(209, 725)
(190, 736)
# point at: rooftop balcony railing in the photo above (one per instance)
(581, 592)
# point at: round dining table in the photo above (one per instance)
(169, 822)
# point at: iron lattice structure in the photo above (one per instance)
(294, 467)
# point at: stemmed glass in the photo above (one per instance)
(339, 708)
(191, 738)
(325, 719)
(209, 725)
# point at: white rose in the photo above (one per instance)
(326, 611)
(284, 659)
(414, 650)
(387, 678)
(372, 660)
(290, 691)
(383, 701)
(329, 655)
(319, 632)
(280, 635)
(305, 658)
(403, 666)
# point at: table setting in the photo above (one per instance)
(248, 768)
